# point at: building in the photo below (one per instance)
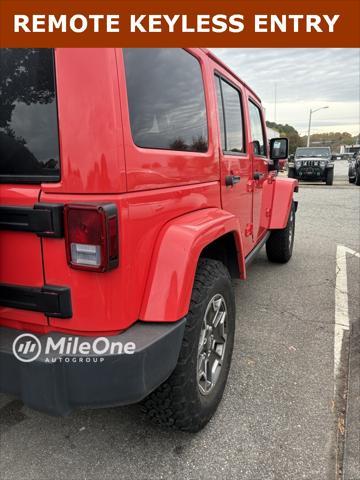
(349, 148)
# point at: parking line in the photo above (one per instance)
(342, 322)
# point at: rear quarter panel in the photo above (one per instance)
(90, 128)
(111, 301)
(20, 255)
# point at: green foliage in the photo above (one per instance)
(288, 131)
(333, 140)
(329, 139)
(22, 80)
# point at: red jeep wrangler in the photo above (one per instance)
(135, 184)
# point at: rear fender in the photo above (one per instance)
(175, 258)
(284, 189)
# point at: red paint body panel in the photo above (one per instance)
(261, 201)
(175, 259)
(238, 199)
(170, 204)
(112, 300)
(283, 195)
(20, 254)
(90, 128)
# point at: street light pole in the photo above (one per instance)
(309, 130)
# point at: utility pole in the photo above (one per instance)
(275, 102)
(309, 130)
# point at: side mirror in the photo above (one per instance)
(279, 148)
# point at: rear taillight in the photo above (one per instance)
(91, 234)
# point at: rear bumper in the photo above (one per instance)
(90, 381)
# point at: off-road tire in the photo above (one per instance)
(279, 246)
(330, 176)
(178, 402)
(291, 172)
(357, 178)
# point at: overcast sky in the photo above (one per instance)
(305, 78)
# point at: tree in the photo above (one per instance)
(332, 139)
(288, 131)
(328, 139)
(20, 81)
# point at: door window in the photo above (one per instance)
(257, 131)
(230, 117)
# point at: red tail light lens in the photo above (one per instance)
(91, 234)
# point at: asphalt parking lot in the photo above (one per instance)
(283, 416)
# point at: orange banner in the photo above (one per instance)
(246, 23)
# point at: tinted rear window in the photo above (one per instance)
(166, 99)
(29, 147)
